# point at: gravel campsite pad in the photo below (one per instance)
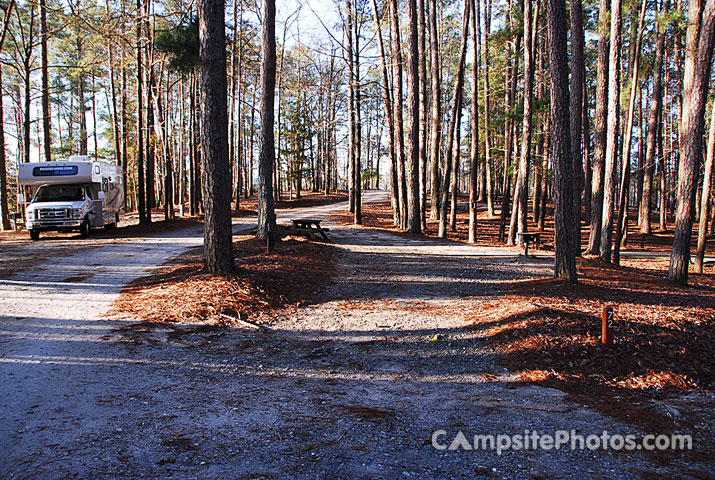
(353, 384)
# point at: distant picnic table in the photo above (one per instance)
(17, 219)
(309, 227)
(528, 238)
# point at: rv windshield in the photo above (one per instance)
(59, 193)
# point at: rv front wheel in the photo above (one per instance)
(84, 228)
(34, 234)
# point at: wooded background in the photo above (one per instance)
(596, 108)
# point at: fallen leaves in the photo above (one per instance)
(549, 332)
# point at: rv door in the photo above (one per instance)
(95, 217)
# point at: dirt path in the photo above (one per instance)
(352, 386)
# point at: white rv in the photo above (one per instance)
(75, 194)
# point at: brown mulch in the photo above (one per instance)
(664, 335)
(181, 292)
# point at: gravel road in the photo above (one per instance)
(351, 386)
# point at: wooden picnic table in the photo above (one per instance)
(527, 238)
(309, 226)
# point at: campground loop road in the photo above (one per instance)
(349, 386)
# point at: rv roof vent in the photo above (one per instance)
(79, 158)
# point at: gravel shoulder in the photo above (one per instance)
(352, 385)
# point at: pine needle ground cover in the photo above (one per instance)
(181, 293)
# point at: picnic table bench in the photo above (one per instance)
(309, 227)
(528, 238)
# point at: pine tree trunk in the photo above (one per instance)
(266, 216)
(388, 116)
(560, 145)
(654, 114)
(192, 147)
(150, 141)
(641, 152)
(454, 182)
(599, 134)
(94, 116)
(696, 79)
(357, 218)
(198, 157)
(353, 185)
(253, 136)
(141, 198)
(588, 186)
(124, 133)
(453, 121)
(161, 133)
(662, 169)
(218, 247)
(422, 33)
(510, 146)
(614, 90)
(578, 81)
(541, 148)
(414, 223)
(436, 113)
(474, 163)
(397, 112)
(81, 102)
(521, 191)
(487, 110)
(234, 125)
(46, 115)
(545, 168)
(183, 150)
(4, 207)
(114, 110)
(705, 200)
(622, 221)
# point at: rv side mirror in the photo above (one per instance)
(20, 199)
(101, 195)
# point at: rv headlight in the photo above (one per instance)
(77, 213)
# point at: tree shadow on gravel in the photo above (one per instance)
(448, 360)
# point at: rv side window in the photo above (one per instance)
(89, 194)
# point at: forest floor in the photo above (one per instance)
(370, 344)
(550, 332)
